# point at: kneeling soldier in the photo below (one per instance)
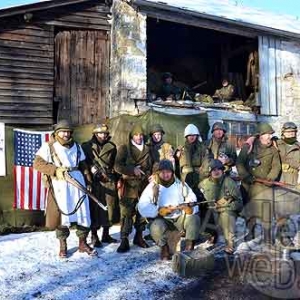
(164, 201)
(226, 201)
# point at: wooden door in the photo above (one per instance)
(81, 76)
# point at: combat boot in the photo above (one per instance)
(139, 241)
(62, 248)
(106, 238)
(189, 245)
(165, 253)
(124, 246)
(84, 247)
(95, 239)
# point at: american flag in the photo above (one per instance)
(29, 190)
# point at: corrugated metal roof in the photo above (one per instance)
(229, 10)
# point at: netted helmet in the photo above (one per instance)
(289, 126)
(156, 128)
(63, 125)
(101, 128)
(218, 125)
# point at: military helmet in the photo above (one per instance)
(63, 125)
(165, 164)
(137, 129)
(101, 128)
(156, 128)
(216, 164)
(263, 128)
(167, 75)
(218, 125)
(289, 126)
(191, 129)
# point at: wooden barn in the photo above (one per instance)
(54, 62)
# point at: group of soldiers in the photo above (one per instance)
(171, 91)
(151, 183)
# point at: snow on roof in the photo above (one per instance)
(230, 10)
(19, 3)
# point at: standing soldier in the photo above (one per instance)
(226, 201)
(191, 157)
(62, 154)
(100, 155)
(289, 151)
(218, 147)
(261, 161)
(159, 149)
(134, 163)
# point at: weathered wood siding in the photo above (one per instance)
(92, 15)
(81, 76)
(26, 75)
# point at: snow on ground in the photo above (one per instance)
(30, 268)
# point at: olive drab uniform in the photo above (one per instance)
(128, 157)
(223, 188)
(225, 93)
(191, 159)
(290, 161)
(263, 162)
(102, 157)
(216, 149)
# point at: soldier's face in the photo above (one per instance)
(169, 80)
(191, 138)
(165, 175)
(157, 136)
(138, 138)
(65, 135)
(102, 136)
(218, 133)
(265, 139)
(216, 173)
(289, 134)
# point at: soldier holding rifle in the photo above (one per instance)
(162, 203)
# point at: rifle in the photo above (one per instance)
(78, 185)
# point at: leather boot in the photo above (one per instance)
(62, 248)
(95, 239)
(84, 247)
(165, 253)
(139, 241)
(124, 246)
(106, 238)
(189, 245)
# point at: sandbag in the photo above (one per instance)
(192, 263)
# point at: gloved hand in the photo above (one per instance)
(187, 209)
(60, 173)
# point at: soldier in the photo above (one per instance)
(168, 89)
(226, 92)
(62, 154)
(261, 161)
(289, 151)
(159, 149)
(134, 162)
(226, 201)
(161, 202)
(100, 155)
(191, 157)
(218, 147)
